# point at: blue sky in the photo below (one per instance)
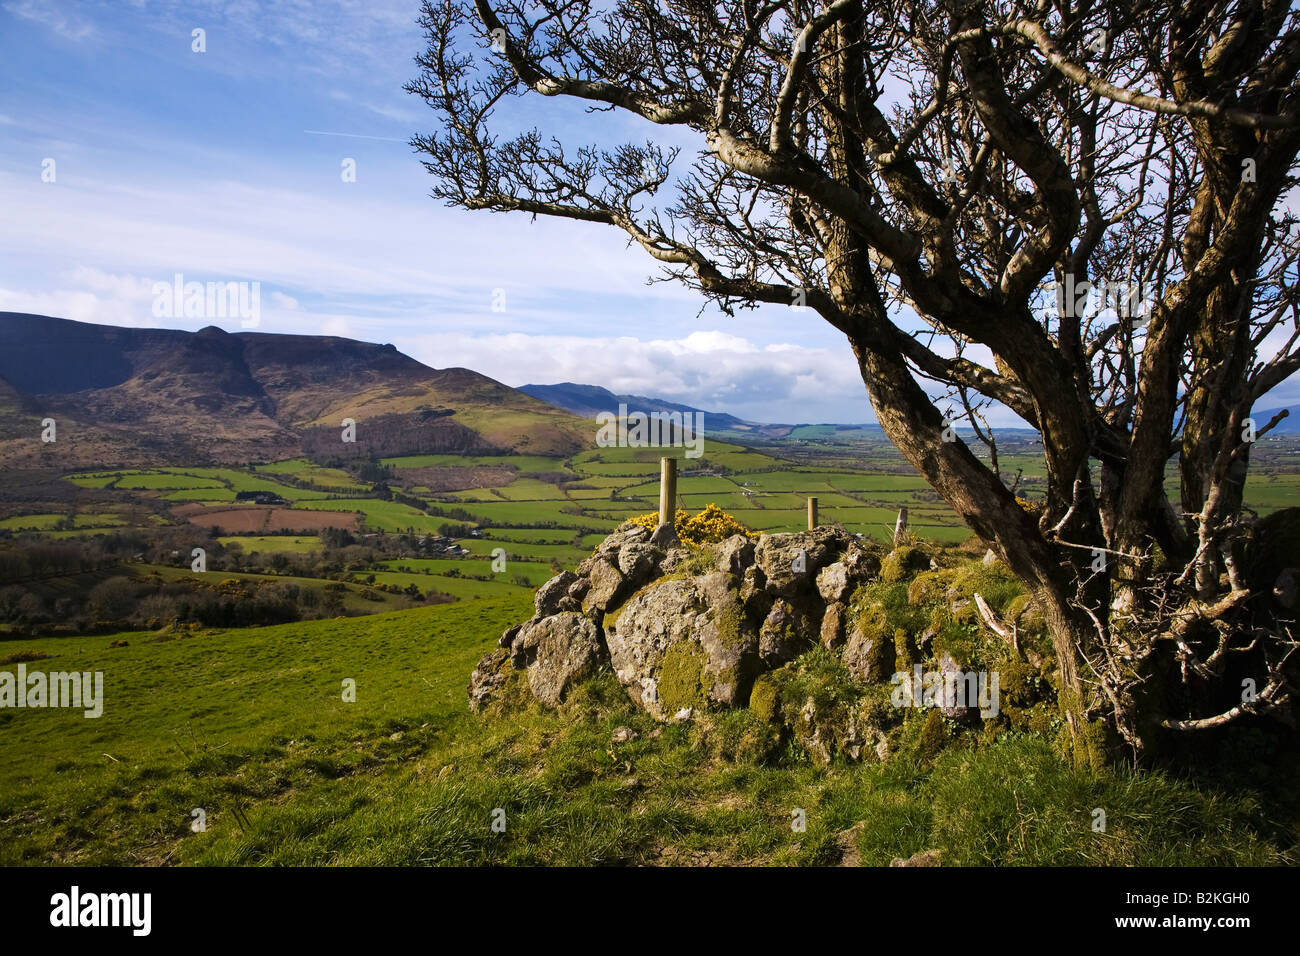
(169, 161)
(226, 166)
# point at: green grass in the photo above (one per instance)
(817, 482)
(460, 587)
(98, 479)
(224, 718)
(81, 522)
(535, 535)
(242, 481)
(535, 512)
(305, 470)
(250, 725)
(566, 554)
(202, 494)
(41, 522)
(271, 543)
(379, 515)
(353, 601)
(537, 572)
(518, 462)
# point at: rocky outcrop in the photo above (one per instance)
(690, 630)
(780, 625)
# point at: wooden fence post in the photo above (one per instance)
(812, 514)
(667, 491)
(900, 528)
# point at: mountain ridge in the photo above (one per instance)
(121, 395)
(590, 400)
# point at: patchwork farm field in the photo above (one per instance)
(255, 520)
(542, 512)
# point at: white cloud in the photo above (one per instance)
(333, 241)
(286, 302)
(710, 369)
(50, 15)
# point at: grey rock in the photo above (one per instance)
(862, 565)
(870, 657)
(488, 678)
(553, 596)
(780, 556)
(783, 634)
(608, 586)
(579, 588)
(703, 611)
(638, 562)
(508, 636)
(673, 557)
(882, 748)
(847, 841)
(753, 585)
(523, 647)
(627, 533)
(833, 582)
(735, 555)
(665, 536)
(568, 649)
(808, 732)
(832, 628)
(924, 858)
(954, 694)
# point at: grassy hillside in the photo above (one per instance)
(219, 719)
(250, 725)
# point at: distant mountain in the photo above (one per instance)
(158, 396)
(590, 400)
(1287, 426)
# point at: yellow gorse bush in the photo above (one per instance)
(1033, 507)
(711, 524)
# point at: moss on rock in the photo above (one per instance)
(765, 699)
(906, 650)
(934, 737)
(926, 588)
(681, 677)
(902, 562)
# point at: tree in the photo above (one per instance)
(113, 598)
(1072, 210)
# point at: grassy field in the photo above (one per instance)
(608, 486)
(352, 593)
(46, 522)
(273, 543)
(251, 727)
(304, 470)
(378, 514)
(521, 463)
